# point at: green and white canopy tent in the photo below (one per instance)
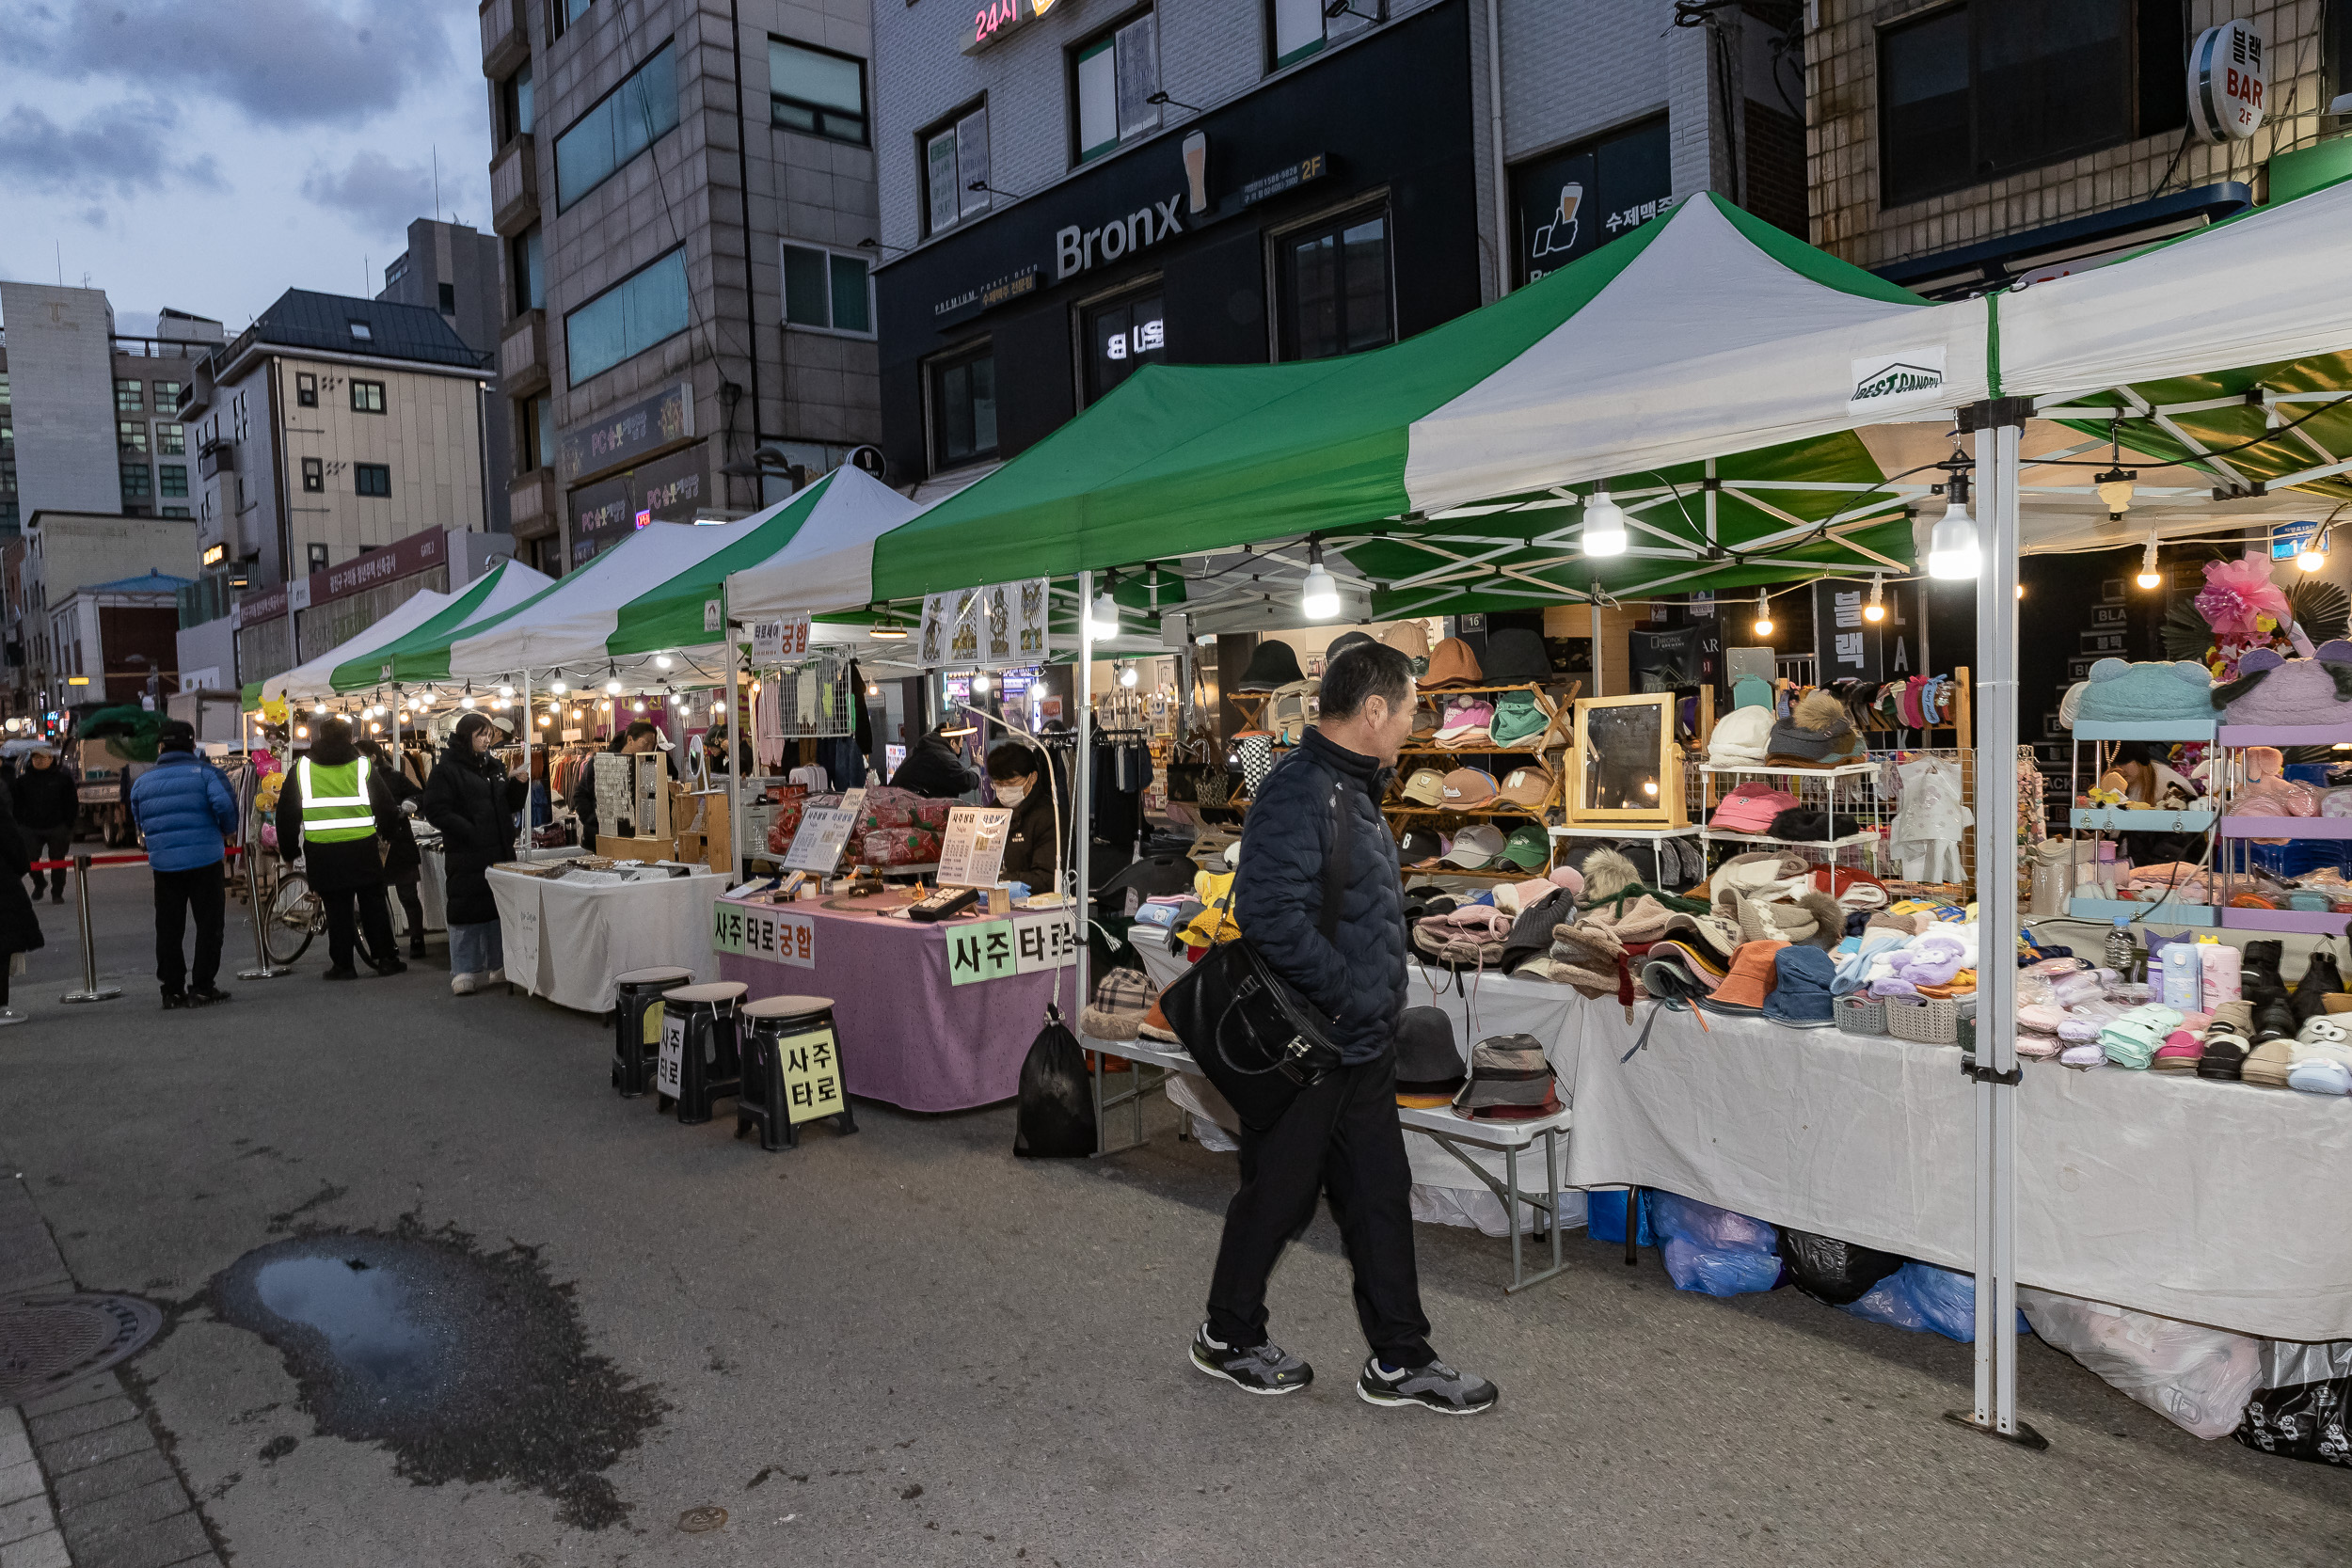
(314, 677)
(362, 669)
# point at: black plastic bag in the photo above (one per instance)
(1057, 1118)
(2300, 1410)
(1832, 1271)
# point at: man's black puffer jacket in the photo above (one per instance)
(1357, 978)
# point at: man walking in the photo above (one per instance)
(183, 807)
(1340, 1136)
(330, 815)
(46, 805)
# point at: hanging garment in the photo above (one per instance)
(768, 725)
(1925, 838)
(813, 778)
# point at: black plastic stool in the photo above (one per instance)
(709, 1066)
(637, 1024)
(783, 1068)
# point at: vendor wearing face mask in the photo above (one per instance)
(1033, 848)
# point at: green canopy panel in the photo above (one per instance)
(508, 584)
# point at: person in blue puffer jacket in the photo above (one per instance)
(186, 814)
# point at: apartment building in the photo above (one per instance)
(1958, 146)
(684, 193)
(1074, 189)
(452, 268)
(81, 582)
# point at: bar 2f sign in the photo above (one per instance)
(2229, 77)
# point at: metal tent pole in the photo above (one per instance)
(530, 827)
(735, 797)
(1082, 790)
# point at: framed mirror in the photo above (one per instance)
(1625, 766)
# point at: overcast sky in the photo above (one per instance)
(209, 155)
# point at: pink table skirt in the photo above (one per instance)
(909, 1037)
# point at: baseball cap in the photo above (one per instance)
(1426, 788)
(1527, 847)
(1467, 789)
(1516, 717)
(1475, 847)
(1526, 787)
(1420, 846)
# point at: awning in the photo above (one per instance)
(505, 585)
(315, 677)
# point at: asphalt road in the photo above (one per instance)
(908, 1347)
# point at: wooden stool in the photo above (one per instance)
(792, 1069)
(699, 1059)
(637, 1024)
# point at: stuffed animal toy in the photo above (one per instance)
(1931, 961)
(2322, 1029)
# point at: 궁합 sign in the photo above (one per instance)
(785, 637)
(760, 932)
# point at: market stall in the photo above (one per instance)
(567, 936)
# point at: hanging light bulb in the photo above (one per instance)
(506, 691)
(376, 729)
(1875, 610)
(663, 661)
(558, 688)
(1105, 614)
(1318, 595)
(1763, 613)
(2149, 576)
(1128, 676)
(979, 681)
(2020, 589)
(1604, 525)
(2314, 553)
(1952, 548)
(544, 719)
(2114, 485)
(612, 687)
(873, 688)
(318, 708)
(638, 706)
(302, 732)
(464, 702)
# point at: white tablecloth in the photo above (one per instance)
(2217, 1203)
(565, 941)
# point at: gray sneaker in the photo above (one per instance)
(1436, 1387)
(1268, 1369)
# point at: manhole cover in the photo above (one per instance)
(46, 1341)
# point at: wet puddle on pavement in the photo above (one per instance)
(468, 1365)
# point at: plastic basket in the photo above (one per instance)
(1861, 1015)
(1931, 1020)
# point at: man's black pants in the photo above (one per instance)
(1340, 1138)
(367, 903)
(204, 892)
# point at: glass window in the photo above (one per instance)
(627, 319)
(1335, 288)
(449, 299)
(964, 409)
(1112, 80)
(515, 106)
(630, 118)
(173, 511)
(537, 421)
(528, 259)
(955, 159)
(131, 435)
(317, 554)
(361, 331)
(816, 91)
(821, 289)
(1300, 27)
(171, 441)
(314, 475)
(171, 479)
(135, 482)
(1568, 203)
(1121, 338)
(4, 389)
(373, 479)
(367, 397)
(563, 13)
(306, 389)
(130, 397)
(166, 396)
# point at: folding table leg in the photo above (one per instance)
(1633, 1219)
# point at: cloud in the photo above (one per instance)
(128, 147)
(379, 192)
(284, 62)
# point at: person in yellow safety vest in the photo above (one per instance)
(329, 813)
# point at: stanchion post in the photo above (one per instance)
(92, 990)
(262, 969)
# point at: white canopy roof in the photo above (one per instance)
(311, 679)
(829, 563)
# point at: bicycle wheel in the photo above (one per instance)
(295, 913)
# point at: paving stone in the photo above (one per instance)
(112, 1478)
(20, 1519)
(124, 1511)
(20, 1481)
(16, 1444)
(45, 1550)
(174, 1539)
(86, 1390)
(68, 1454)
(81, 1419)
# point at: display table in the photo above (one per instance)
(2177, 1196)
(565, 940)
(910, 1035)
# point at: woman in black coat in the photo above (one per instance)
(20, 927)
(473, 802)
(346, 874)
(403, 866)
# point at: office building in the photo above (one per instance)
(452, 268)
(1070, 191)
(681, 192)
(81, 582)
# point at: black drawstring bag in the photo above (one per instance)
(1056, 1119)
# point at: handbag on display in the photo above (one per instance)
(1255, 1038)
(1290, 709)
(1251, 756)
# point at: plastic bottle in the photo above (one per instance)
(2181, 975)
(2121, 950)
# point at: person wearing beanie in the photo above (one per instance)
(332, 813)
(473, 802)
(46, 804)
(184, 810)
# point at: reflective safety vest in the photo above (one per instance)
(335, 808)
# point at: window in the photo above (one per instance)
(627, 319)
(1300, 27)
(1112, 81)
(313, 476)
(963, 408)
(371, 479)
(955, 159)
(361, 331)
(1335, 288)
(527, 258)
(174, 512)
(317, 554)
(514, 104)
(171, 479)
(4, 389)
(816, 90)
(821, 289)
(171, 441)
(166, 396)
(130, 436)
(137, 483)
(630, 118)
(535, 419)
(563, 13)
(1993, 86)
(367, 397)
(1121, 338)
(306, 389)
(1578, 198)
(130, 397)
(449, 299)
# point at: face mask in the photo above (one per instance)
(1011, 795)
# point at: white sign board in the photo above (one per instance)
(1046, 941)
(2229, 77)
(671, 1062)
(766, 931)
(784, 637)
(972, 851)
(824, 832)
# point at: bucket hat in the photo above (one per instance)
(1506, 1069)
(1275, 663)
(1476, 848)
(1515, 653)
(1426, 787)
(1517, 717)
(1716, 935)
(1123, 1000)
(1751, 977)
(1527, 847)
(1530, 786)
(1800, 989)
(1408, 637)
(1452, 663)
(1468, 789)
(1429, 1063)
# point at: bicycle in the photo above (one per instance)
(294, 916)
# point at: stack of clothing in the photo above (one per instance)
(2134, 1039)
